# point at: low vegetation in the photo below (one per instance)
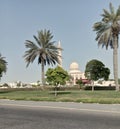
(103, 97)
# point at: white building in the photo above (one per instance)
(60, 53)
(75, 73)
(104, 83)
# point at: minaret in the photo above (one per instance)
(60, 53)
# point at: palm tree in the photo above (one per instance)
(44, 49)
(108, 30)
(3, 65)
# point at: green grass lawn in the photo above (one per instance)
(108, 97)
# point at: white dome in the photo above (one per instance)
(74, 66)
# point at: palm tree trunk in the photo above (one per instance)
(115, 63)
(42, 70)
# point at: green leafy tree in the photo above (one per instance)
(108, 30)
(80, 83)
(44, 49)
(3, 66)
(57, 76)
(96, 70)
(49, 76)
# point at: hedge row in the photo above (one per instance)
(100, 88)
(83, 88)
(63, 88)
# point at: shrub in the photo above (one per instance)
(100, 88)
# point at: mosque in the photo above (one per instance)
(74, 71)
(76, 74)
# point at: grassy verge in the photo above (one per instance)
(104, 97)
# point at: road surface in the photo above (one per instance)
(58, 115)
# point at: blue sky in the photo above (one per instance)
(70, 21)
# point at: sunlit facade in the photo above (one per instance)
(75, 73)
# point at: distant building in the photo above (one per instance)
(75, 73)
(13, 84)
(60, 53)
(104, 83)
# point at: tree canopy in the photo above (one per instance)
(3, 65)
(96, 70)
(107, 34)
(43, 49)
(57, 76)
(108, 29)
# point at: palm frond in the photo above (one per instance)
(31, 53)
(37, 40)
(105, 39)
(3, 64)
(46, 51)
(111, 8)
(118, 11)
(106, 15)
(108, 27)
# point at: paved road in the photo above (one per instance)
(52, 115)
